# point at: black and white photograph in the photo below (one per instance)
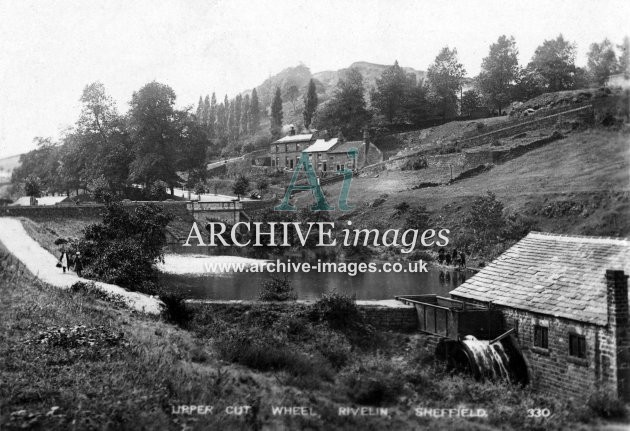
(314, 215)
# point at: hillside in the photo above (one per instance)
(326, 82)
(370, 71)
(7, 165)
(577, 185)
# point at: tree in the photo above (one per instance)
(245, 115)
(415, 106)
(238, 111)
(254, 112)
(554, 60)
(310, 103)
(486, 218)
(199, 111)
(276, 114)
(471, 100)
(32, 186)
(624, 58)
(222, 119)
(602, 61)
(346, 111)
(390, 94)
(233, 121)
(529, 83)
(212, 117)
(499, 71)
(262, 184)
(192, 142)
(206, 111)
(291, 93)
(445, 77)
(100, 143)
(241, 185)
(154, 134)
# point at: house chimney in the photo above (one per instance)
(292, 131)
(618, 319)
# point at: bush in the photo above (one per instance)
(125, 246)
(157, 190)
(414, 164)
(375, 389)
(606, 405)
(175, 310)
(338, 310)
(401, 208)
(277, 289)
(256, 349)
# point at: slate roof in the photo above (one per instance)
(557, 275)
(343, 148)
(294, 138)
(321, 145)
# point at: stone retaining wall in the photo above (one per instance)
(43, 213)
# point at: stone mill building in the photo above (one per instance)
(566, 299)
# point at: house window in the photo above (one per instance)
(286, 148)
(277, 148)
(297, 147)
(541, 337)
(577, 345)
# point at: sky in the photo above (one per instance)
(50, 50)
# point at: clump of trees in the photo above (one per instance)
(153, 145)
(346, 112)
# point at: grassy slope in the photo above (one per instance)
(133, 382)
(594, 162)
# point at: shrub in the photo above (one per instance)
(277, 289)
(338, 310)
(375, 389)
(606, 405)
(414, 164)
(175, 310)
(335, 348)
(401, 208)
(125, 246)
(157, 190)
(257, 349)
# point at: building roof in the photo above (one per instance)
(294, 138)
(321, 145)
(557, 275)
(344, 147)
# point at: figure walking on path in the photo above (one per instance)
(63, 260)
(78, 264)
(462, 260)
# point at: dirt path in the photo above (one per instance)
(42, 264)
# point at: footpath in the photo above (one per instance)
(42, 265)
